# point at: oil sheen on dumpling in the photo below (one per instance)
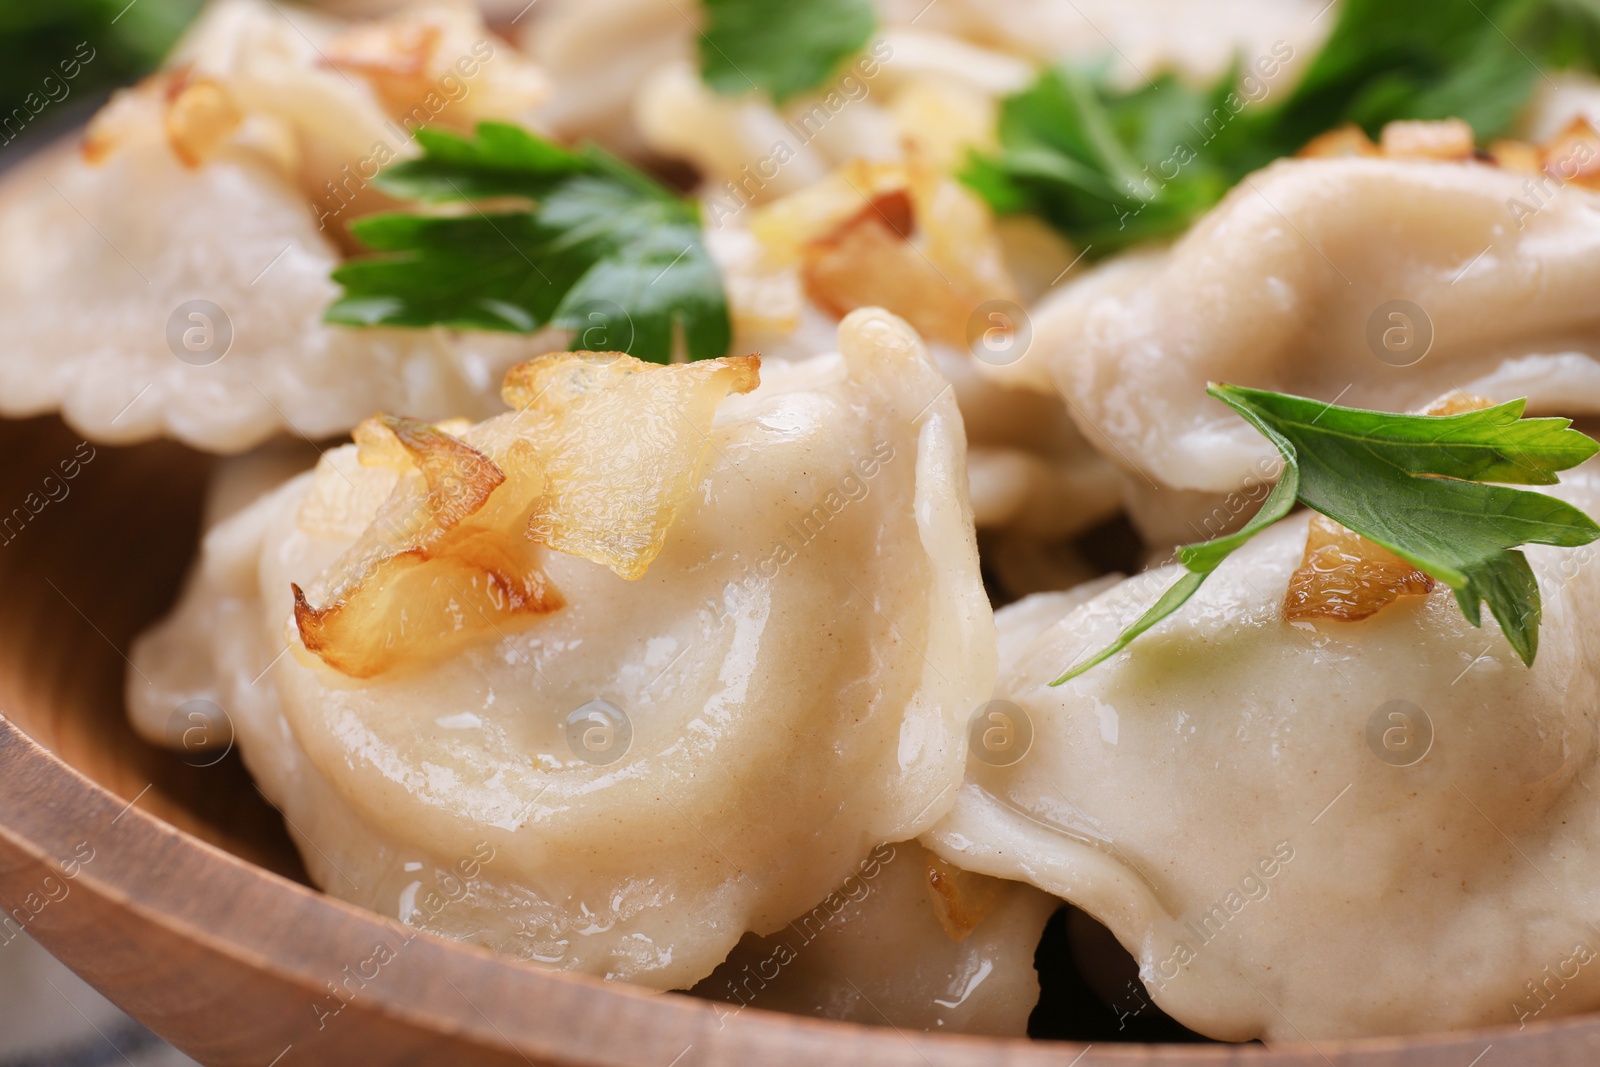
(907, 940)
(1381, 282)
(654, 766)
(1316, 829)
(168, 276)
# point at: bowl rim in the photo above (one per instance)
(33, 834)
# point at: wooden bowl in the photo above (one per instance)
(175, 892)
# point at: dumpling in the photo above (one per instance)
(1560, 98)
(907, 940)
(598, 52)
(1382, 282)
(910, 95)
(926, 86)
(911, 239)
(1137, 38)
(435, 663)
(1260, 810)
(169, 277)
(626, 73)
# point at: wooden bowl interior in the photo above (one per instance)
(104, 557)
(229, 961)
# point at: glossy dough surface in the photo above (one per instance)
(877, 950)
(795, 670)
(1262, 812)
(1289, 285)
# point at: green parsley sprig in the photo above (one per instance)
(783, 49)
(1110, 168)
(1419, 485)
(600, 249)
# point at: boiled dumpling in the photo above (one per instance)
(913, 240)
(907, 940)
(1380, 282)
(1260, 810)
(435, 662)
(169, 275)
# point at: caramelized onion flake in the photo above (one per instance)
(897, 236)
(201, 116)
(621, 441)
(961, 899)
(1573, 155)
(1343, 575)
(395, 56)
(600, 456)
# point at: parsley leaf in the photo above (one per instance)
(604, 250)
(1477, 60)
(783, 49)
(85, 48)
(1415, 485)
(1110, 168)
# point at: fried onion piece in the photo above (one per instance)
(596, 462)
(201, 116)
(395, 56)
(961, 899)
(621, 442)
(1573, 155)
(1455, 403)
(1344, 576)
(194, 113)
(343, 499)
(1519, 157)
(437, 65)
(898, 236)
(438, 566)
(1448, 140)
(1444, 140)
(416, 608)
(1346, 140)
(1347, 577)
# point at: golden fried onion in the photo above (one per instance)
(1343, 575)
(899, 236)
(1573, 155)
(961, 899)
(596, 462)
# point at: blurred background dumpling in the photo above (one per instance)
(1379, 279)
(168, 275)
